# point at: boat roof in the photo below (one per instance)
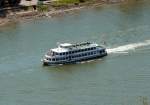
(59, 50)
(65, 47)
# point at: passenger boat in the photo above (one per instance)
(67, 53)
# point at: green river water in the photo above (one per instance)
(121, 78)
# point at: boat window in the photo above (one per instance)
(100, 51)
(60, 53)
(64, 53)
(94, 52)
(53, 59)
(85, 54)
(89, 49)
(54, 53)
(103, 51)
(89, 53)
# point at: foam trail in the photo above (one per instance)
(124, 48)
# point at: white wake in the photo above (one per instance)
(124, 48)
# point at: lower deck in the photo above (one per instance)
(74, 61)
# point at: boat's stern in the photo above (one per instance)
(105, 51)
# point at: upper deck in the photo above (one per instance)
(65, 47)
(77, 45)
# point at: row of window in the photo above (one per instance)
(76, 56)
(76, 51)
(102, 51)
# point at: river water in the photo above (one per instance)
(121, 78)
